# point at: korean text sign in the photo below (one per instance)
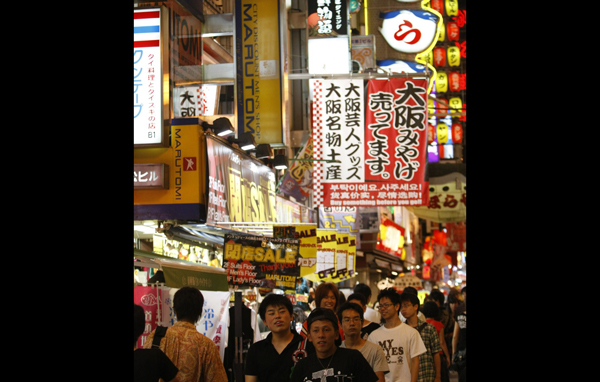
(147, 77)
(254, 262)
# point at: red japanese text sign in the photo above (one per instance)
(385, 163)
(396, 136)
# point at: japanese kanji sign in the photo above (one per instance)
(147, 78)
(385, 164)
(254, 262)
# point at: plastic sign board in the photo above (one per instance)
(147, 78)
(409, 31)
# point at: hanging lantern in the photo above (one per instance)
(452, 7)
(430, 106)
(442, 35)
(442, 133)
(441, 82)
(442, 108)
(430, 133)
(457, 132)
(455, 104)
(426, 57)
(453, 56)
(439, 57)
(454, 81)
(437, 5)
(453, 31)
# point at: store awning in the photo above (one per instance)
(179, 273)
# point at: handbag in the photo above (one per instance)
(459, 360)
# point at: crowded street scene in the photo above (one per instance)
(300, 191)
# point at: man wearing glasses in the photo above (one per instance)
(401, 343)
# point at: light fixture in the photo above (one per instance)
(263, 151)
(245, 141)
(280, 162)
(223, 127)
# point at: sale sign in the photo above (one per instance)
(257, 261)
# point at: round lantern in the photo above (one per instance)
(442, 108)
(442, 30)
(441, 82)
(454, 81)
(455, 104)
(439, 57)
(437, 5)
(452, 7)
(453, 31)
(457, 132)
(453, 56)
(442, 133)
(425, 57)
(430, 133)
(430, 106)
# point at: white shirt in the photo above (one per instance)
(400, 344)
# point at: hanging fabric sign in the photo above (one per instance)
(383, 165)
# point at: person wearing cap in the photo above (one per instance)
(401, 344)
(329, 363)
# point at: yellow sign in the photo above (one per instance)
(326, 250)
(307, 234)
(258, 70)
(185, 158)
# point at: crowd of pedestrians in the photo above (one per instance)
(402, 341)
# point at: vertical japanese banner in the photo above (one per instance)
(352, 255)
(147, 77)
(338, 135)
(147, 298)
(396, 140)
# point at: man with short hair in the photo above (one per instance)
(195, 355)
(330, 363)
(401, 344)
(429, 362)
(351, 316)
(368, 326)
(272, 359)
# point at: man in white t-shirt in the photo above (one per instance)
(401, 343)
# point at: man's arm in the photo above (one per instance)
(251, 378)
(380, 375)
(414, 369)
(437, 362)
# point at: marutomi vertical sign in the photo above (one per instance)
(257, 72)
(147, 78)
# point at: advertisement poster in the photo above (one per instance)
(384, 164)
(240, 189)
(307, 237)
(257, 261)
(147, 77)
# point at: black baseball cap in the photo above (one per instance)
(322, 314)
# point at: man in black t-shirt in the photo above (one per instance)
(330, 363)
(272, 359)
